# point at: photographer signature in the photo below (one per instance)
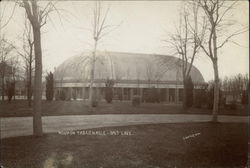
(191, 136)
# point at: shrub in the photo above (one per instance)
(210, 98)
(244, 99)
(74, 95)
(136, 101)
(57, 96)
(109, 90)
(233, 105)
(120, 95)
(152, 95)
(94, 102)
(11, 90)
(199, 98)
(109, 94)
(62, 95)
(49, 86)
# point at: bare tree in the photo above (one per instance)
(27, 55)
(5, 46)
(5, 69)
(15, 70)
(215, 14)
(99, 31)
(37, 16)
(185, 41)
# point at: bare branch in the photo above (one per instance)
(8, 20)
(226, 11)
(232, 35)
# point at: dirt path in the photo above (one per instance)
(19, 126)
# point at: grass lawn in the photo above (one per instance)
(20, 108)
(194, 145)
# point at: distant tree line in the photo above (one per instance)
(237, 87)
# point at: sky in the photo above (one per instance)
(136, 26)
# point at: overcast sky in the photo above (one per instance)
(139, 27)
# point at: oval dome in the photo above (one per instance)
(125, 66)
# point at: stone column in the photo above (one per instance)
(70, 93)
(131, 93)
(167, 95)
(122, 92)
(83, 93)
(176, 95)
(98, 93)
(140, 89)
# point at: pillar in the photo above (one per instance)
(167, 95)
(83, 93)
(140, 89)
(69, 93)
(131, 93)
(122, 92)
(96, 93)
(176, 95)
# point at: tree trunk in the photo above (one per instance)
(184, 103)
(30, 74)
(216, 79)
(3, 88)
(37, 120)
(216, 92)
(92, 77)
(14, 89)
(29, 83)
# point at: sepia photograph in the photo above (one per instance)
(124, 84)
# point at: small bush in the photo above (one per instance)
(11, 90)
(57, 96)
(109, 90)
(152, 95)
(244, 99)
(74, 95)
(233, 105)
(136, 101)
(62, 95)
(198, 103)
(109, 94)
(199, 98)
(49, 86)
(120, 95)
(94, 102)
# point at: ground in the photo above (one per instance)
(56, 108)
(192, 144)
(150, 146)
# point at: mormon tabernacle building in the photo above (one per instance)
(132, 73)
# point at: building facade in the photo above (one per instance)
(132, 73)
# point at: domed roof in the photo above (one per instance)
(125, 66)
